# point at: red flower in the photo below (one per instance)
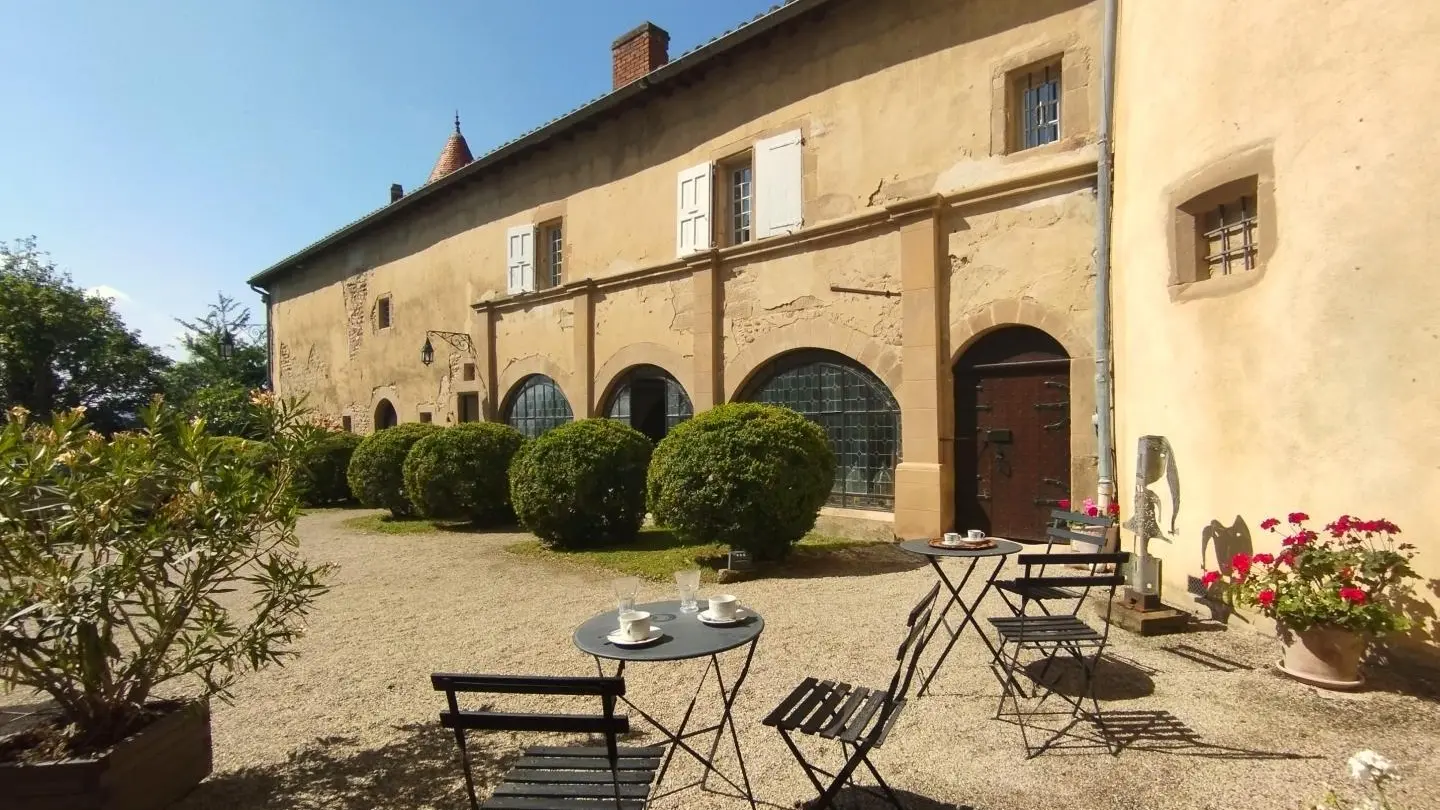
(1210, 578)
(1341, 525)
(1266, 598)
(1241, 563)
(1269, 523)
(1263, 559)
(1113, 510)
(1064, 504)
(1298, 517)
(1354, 596)
(1287, 557)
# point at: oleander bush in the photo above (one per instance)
(377, 467)
(582, 485)
(462, 472)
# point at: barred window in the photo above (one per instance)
(1038, 94)
(1229, 237)
(537, 405)
(859, 414)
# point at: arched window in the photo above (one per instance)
(858, 412)
(648, 399)
(385, 415)
(537, 405)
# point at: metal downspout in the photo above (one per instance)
(1105, 438)
(269, 339)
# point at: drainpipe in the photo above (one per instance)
(269, 339)
(1105, 438)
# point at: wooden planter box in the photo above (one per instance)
(148, 771)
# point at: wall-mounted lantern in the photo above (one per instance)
(459, 340)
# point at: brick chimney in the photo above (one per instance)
(396, 192)
(638, 52)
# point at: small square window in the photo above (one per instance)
(1036, 94)
(1221, 232)
(424, 416)
(468, 407)
(737, 199)
(345, 424)
(552, 253)
(382, 312)
(467, 372)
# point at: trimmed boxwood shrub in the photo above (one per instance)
(750, 475)
(321, 479)
(462, 472)
(582, 484)
(376, 471)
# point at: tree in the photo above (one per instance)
(61, 348)
(218, 388)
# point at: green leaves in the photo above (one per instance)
(582, 484)
(122, 561)
(462, 472)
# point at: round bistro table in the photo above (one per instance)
(1001, 550)
(683, 637)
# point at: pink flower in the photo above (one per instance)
(1064, 504)
(1269, 523)
(1354, 596)
(1298, 517)
(1210, 578)
(1266, 598)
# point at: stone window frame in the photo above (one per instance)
(461, 412)
(467, 372)
(384, 312)
(346, 424)
(1246, 173)
(1075, 122)
(426, 417)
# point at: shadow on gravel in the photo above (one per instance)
(419, 771)
(853, 799)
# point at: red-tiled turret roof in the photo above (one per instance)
(455, 155)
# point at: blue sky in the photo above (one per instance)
(166, 150)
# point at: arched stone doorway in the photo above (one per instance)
(385, 416)
(1012, 432)
(650, 400)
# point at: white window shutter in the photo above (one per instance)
(520, 259)
(778, 191)
(692, 217)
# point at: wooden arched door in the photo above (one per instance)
(1012, 433)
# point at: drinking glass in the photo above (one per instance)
(689, 582)
(625, 588)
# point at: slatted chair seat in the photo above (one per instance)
(833, 711)
(608, 777)
(576, 778)
(1043, 629)
(1057, 534)
(858, 717)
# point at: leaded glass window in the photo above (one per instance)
(639, 395)
(537, 406)
(859, 415)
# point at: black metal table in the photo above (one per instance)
(684, 638)
(1001, 550)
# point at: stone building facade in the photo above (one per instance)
(896, 192)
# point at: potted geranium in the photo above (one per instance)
(1097, 529)
(139, 577)
(1330, 592)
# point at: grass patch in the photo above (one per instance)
(386, 524)
(656, 554)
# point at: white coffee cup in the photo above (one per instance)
(976, 534)
(950, 538)
(723, 606)
(634, 625)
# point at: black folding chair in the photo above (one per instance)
(858, 717)
(1050, 635)
(608, 777)
(1058, 533)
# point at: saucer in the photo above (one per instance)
(620, 641)
(741, 614)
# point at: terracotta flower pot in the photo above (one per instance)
(1328, 657)
(149, 770)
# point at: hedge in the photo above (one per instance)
(376, 470)
(321, 479)
(462, 472)
(582, 484)
(749, 475)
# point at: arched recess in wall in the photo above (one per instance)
(857, 410)
(385, 416)
(536, 405)
(649, 399)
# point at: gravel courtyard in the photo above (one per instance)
(351, 723)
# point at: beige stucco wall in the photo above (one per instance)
(1311, 386)
(898, 102)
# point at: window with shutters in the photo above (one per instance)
(552, 253)
(779, 184)
(737, 200)
(692, 210)
(520, 259)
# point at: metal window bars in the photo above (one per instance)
(1230, 237)
(1040, 107)
(538, 406)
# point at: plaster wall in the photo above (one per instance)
(1310, 383)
